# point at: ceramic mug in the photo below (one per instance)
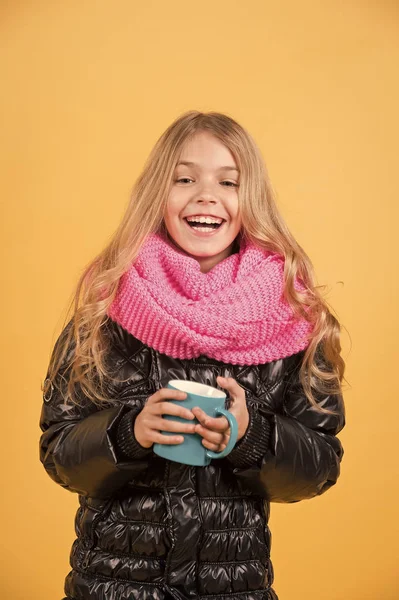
(191, 451)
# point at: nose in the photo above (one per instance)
(206, 199)
(206, 196)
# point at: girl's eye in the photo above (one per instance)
(231, 183)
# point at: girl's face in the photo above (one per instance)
(202, 208)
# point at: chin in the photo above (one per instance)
(206, 252)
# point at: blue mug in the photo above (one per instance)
(191, 451)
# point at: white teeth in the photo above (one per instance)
(204, 220)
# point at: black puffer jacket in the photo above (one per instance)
(147, 528)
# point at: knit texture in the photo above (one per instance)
(254, 445)
(126, 440)
(235, 313)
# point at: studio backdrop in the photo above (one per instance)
(87, 88)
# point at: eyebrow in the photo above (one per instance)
(192, 164)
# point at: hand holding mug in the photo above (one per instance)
(149, 422)
(210, 401)
(215, 431)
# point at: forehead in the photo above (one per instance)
(206, 151)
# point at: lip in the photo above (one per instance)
(203, 215)
(203, 234)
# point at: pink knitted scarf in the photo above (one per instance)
(235, 313)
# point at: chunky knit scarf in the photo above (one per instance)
(235, 313)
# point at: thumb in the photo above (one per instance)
(229, 384)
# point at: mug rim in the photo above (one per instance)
(180, 384)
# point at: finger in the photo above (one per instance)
(166, 394)
(168, 440)
(230, 384)
(199, 414)
(168, 408)
(217, 424)
(159, 424)
(209, 435)
(214, 447)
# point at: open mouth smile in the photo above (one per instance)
(204, 224)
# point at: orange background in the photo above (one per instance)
(87, 89)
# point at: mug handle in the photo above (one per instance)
(233, 434)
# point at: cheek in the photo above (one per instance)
(174, 206)
(170, 225)
(236, 217)
(234, 209)
(171, 212)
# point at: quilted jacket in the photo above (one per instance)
(150, 529)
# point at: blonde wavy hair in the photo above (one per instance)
(81, 351)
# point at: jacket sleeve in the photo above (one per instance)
(295, 455)
(79, 445)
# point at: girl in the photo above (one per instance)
(202, 281)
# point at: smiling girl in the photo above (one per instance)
(202, 216)
(202, 281)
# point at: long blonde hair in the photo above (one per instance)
(261, 224)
